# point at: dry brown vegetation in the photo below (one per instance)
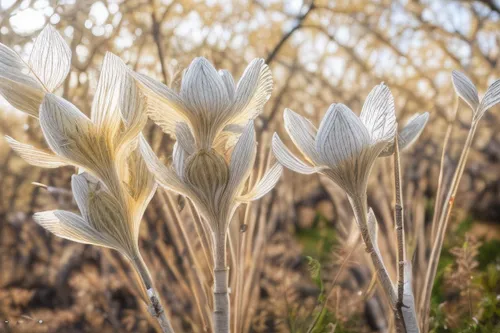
(319, 52)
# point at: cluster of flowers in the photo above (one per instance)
(211, 118)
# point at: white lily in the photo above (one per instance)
(24, 84)
(209, 102)
(346, 146)
(468, 92)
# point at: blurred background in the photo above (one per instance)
(319, 52)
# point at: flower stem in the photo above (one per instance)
(155, 308)
(359, 207)
(221, 290)
(442, 225)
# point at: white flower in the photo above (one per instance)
(24, 84)
(214, 182)
(468, 92)
(106, 219)
(345, 146)
(99, 144)
(209, 102)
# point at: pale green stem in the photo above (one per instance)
(155, 308)
(221, 290)
(443, 223)
(359, 207)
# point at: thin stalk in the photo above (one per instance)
(359, 207)
(400, 237)
(155, 308)
(443, 223)
(221, 290)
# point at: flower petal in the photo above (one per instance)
(179, 156)
(409, 134)
(341, 135)
(303, 134)
(164, 175)
(73, 227)
(19, 89)
(63, 125)
(490, 99)
(34, 156)
(50, 58)
(164, 106)
(229, 83)
(203, 90)
(242, 159)
(253, 91)
(266, 184)
(289, 160)
(185, 137)
(106, 104)
(378, 114)
(465, 89)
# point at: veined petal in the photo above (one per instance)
(242, 159)
(73, 227)
(252, 92)
(35, 156)
(19, 89)
(164, 106)
(228, 80)
(82, 185)
(50, 58)
(164, 175)
(490, 99)
(409, 134)
(303, 134)
(203, 90)
(378, 114)
(289, 160)
(185, 137)
(63, 125)
(106, 104)
(465, 89)
(265, 185)
(341, 135)
(179, 156)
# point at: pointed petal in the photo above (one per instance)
(63, 125)
(242, 159)
(50, 58)
(378, 114)
(289, 160)
(73, 227)
(203, 90)
(19, 89)
(34, 156)
(265, 185)
(165, 176)
(409, 134)
(252, 92)
(105, 112)
(82, 185)
(228, 80)
(465, 89)
(341, 135)
(303, 134)
(490, 99)
(185, 138)
(164, 106)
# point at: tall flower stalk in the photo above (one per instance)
(215, 151)
(113, 186)
(344, 149)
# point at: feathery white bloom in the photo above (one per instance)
(209, 102)
(468, 92)
(215, 183)
(345, 146)
(24, 84)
